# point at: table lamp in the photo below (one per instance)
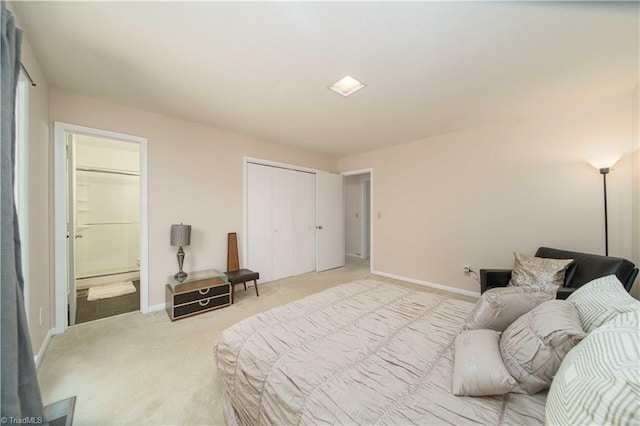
(180, 236)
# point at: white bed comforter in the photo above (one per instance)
(364, 352)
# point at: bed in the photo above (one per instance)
(364, 352)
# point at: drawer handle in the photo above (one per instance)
(204, 302)
(204, 291)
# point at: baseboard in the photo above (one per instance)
(156, 308)
(356, 255)
(428, 284)
(43, 348)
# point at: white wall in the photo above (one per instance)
(107, 213)
(195, 177)
(475, 196)
(40, 255)
(635, 196)
(110, 154)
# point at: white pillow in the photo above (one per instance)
(534, 346)
(598, 382)
(478, 368)
(600, 300)
(498, 307)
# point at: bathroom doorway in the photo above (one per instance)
(105, 210)
(98, 211)
(357, 190)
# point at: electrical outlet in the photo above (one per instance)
(466, 269)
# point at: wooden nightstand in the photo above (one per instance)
(201, 291)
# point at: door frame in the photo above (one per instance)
(62, 261)
(370, 172)
(366, 233)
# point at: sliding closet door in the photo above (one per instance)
(304, 222)
(259, 229)
(281, 222)
(283, 243)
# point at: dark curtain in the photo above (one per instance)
(21, 400)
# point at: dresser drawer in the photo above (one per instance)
(203, 293)
(201, 305)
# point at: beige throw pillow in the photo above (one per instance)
(535, 344)
(478, 368)
(497, 308)
(538, 271)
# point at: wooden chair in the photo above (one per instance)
(234, 273)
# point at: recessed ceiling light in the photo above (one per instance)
(346, 86)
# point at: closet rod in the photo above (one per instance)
(113, 172)
(33, 83)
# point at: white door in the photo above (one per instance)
(284, 240)
(259, 227)
(330, 248)
(304, 222)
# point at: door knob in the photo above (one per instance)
(319, 226)
(79, 236)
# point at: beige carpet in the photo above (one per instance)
(139, 369)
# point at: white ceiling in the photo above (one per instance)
(262, 69)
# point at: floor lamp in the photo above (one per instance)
(604, 171)
(605, 166)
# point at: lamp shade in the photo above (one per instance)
(180, 235)
(604, 162)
